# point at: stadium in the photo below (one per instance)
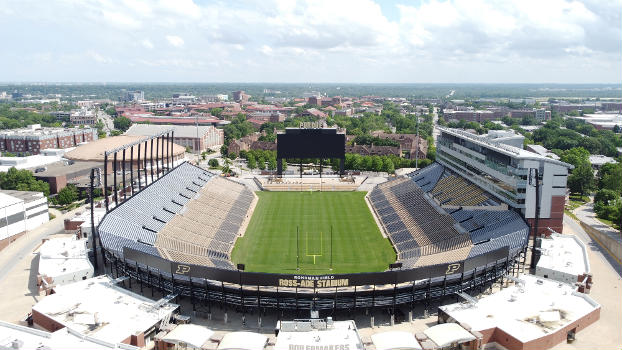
(414, 239)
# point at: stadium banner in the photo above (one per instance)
(485, 259)
(147, 259)
(314, 281)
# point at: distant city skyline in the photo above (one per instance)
(350, 41)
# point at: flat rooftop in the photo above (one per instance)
(318, 335)
(26, 196)
(511, 151)
(29, 162)
(526, 312)
(60, 169)
(62, 256)
(102, 310)
(12, 335)
(564, 253)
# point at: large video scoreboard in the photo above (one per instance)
(311, 143)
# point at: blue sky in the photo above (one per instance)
(395, 41)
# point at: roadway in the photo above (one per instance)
(19, 265)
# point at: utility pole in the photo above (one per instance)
(417, 150)
(535, 181)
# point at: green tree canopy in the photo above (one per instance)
(122, 123)
(582, 179)
(22, 180)
(67, 195)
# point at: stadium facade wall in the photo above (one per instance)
(555, 221)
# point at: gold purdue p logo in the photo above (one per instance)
(182, 269)
(452, 268)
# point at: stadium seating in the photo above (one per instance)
(454, 190)
(189, 215)
(425, 233)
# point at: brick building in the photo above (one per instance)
(408, 143)
(240, 96)
(324, 101)
(372, 150)
(201, 137)
(243, 144)
(34, 139)
(470, 115)
(83, 117)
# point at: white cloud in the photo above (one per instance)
(99, 58)
(347, 40)
(175, 40)
(147, 44)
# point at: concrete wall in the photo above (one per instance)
(613, 245)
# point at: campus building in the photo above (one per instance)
(507, 172)
(196, 137)
(34, 138)
(20, 211)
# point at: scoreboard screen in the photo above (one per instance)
(311, 143)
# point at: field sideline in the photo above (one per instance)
(269, 244)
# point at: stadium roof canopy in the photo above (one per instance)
(395, 340)
(94, 151)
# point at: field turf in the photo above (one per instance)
(270, 244)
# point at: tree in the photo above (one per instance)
(22, 180)
(213, 163)
(388, 165)
(376, 163)
(605, 196)
(610, 175)
(122, 123)
(582, 179)
(67, 195)
(261, 163)
(271, 163)
(575, 156)
(250, 161)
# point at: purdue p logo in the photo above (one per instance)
(182, 269)
(451, 268)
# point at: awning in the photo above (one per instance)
(190, 334)
(395, 340)
(446, 334)
(243, 341)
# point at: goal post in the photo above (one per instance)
(314, 247)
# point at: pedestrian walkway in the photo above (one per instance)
(19, 267)
(609, 237)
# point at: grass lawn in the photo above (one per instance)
(270, 244)
(576, 201)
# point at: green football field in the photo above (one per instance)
(271, 239)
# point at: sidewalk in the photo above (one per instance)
(19, 266)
